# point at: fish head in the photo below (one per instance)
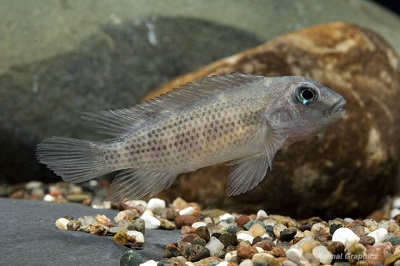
(309, 108)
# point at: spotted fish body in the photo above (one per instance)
(238, 119)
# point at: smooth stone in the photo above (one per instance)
(155, 204)
(294, 255)
(278, 229)
(134, 236)
(323, 254)
(394, 240)
(246, 262)
(182, 220)
(367, 240)
(261, 214)
(138, 224)
(335, 247)
(187, 211)
(228, 239)
(346, 236)
(379, 235)
(377, 254)
(61, 223)
(203, 232)
(166, 225)
(244, 237)
(242, 220)
(287, 235)
(150, 221)
(246, 252)
(172, 251)
(257, 229)
(265, 259)
(149, 263)
(251, 223)
(215, 246)
(132, 258)
(227, 217)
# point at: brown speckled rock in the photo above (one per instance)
(346, 170)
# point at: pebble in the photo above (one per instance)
(261, 259)
(215, 246)
(379, 235)
(61, 223)
(203, 232)
(87, 220)
(228, 239)
(376, 255)
(251, 223)
(392, 259)
(257, 229)
(287, 235)
(246, 252)
(134, 236)
(97, 229)
(367, 240)
(182, 220)
(197, 252)
(323, 254)
(246, 262)
(155, 204)
(179, 203)
(171, 214)
(241, 235)
(150, 221)
(335, 247)
(132, 257)
(166, 225)
(172, 251)
(346, 236)
(138, 225)
(278, 229)
(227, 217)
(198, 224)
(261, 215)
(149, 263)
(73, 225)
(394, 240)
(49, 198)
(187, 211)
(242, 220)
(295, 256)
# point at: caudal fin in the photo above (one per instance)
(73, 159)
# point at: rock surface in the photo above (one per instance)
(347, 170)
(28, 230)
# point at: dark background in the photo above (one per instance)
(393, 5)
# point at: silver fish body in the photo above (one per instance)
(238, 119)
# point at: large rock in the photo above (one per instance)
(347, 170)
(29, 237)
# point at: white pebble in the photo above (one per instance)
(244, 236)
(379, 235)
(230, 255)
(61, 223)
(150, 221)
(139, 237)
(261, 214)
(198, 224)
(346, 236)
(246, 262)
(278, 228)
(259, 249)
(294, 255)
(227, 217)
(323, 254)
(317, 227)
(223, 263)
(149, 263)
(394, 212)
(396, 203)
(348, 220)
(187, 211)
(155, 204)
(215, 246)
(49, 198)
(136, 203)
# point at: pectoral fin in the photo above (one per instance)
(248, 172)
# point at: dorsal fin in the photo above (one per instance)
(118, 122)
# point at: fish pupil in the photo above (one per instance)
(306, 95)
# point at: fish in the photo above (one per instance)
(236, 119)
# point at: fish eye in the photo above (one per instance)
(306, 95)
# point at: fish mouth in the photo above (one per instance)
(337, 107)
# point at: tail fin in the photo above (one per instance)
(73, 159)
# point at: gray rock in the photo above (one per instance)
(28, 230)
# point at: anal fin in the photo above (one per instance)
(135, 184)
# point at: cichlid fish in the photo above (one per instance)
(239, 119)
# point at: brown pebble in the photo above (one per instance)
(171, 214)
(242, 220)
(172, 251)
(73, 225)
(189, 238)
(203, 232)
(265, 245)
(392, 259)
(246, 252)
(377, 254)
(278, 252)
(366, 240)
(97, 229)
(335, 247)
(186, 229)
(358, 230)
(120, 238)
(182, 220)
